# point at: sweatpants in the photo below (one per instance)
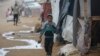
(48, 44)
(15, 19)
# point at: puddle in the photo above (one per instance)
(3, 52)
(32, 44)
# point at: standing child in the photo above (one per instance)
(48, 30)
(16, 13)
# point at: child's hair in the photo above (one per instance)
(49, 15)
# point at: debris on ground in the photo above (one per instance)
(69, 50)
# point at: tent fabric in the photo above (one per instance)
(81, 30)
(84, 40)
(72, 8)
(65, 8)
(64, 4)
(67, 33)
(55, 8)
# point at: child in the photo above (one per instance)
(15, 13)
(48, 29)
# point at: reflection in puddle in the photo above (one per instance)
(32, 44)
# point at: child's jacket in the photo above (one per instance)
(48, 29)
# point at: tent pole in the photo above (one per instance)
(75, 22)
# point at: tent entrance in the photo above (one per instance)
(95, 31)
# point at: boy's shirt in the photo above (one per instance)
(48, 28)
(16, 10)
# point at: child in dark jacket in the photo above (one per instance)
(48, 29)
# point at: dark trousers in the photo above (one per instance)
(15, 19)
(48, 45)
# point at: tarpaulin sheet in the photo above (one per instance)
(66, 8)
(63, 6)
(81, 30)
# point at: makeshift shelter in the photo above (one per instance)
(83, 14)
(95, 13)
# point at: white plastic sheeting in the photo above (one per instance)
(69, 50)
(68, 29)
(55, 10)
